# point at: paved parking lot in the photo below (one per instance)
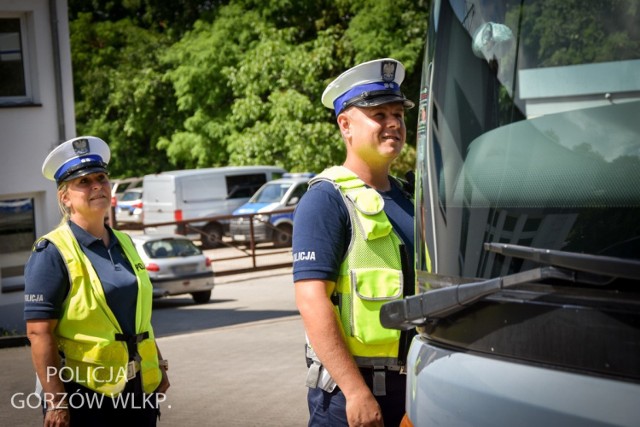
(236, 361)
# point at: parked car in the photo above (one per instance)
(129, 207)
(176, 266)
(275, 195)
(119, 186)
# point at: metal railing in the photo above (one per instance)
(249, 249)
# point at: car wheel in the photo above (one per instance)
(201, 297)
(211, 236)
(282, 235)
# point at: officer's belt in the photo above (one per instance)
(368, 367)
(381, 368)
(132, 343)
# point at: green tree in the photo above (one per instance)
(172, 16)
(251, 84)
(120, 94)
(230, 82)
(567, 32)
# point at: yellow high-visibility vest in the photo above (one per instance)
(86, 332)
(371, 273)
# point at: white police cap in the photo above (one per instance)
(368, 84)
(76, 157)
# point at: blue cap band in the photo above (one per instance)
(90, 160)
(344, 99)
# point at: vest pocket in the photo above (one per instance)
(370, 289)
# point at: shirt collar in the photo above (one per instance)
(389, 193)
(85, 238)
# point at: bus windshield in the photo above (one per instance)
(529, 132)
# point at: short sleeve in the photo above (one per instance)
(321, 234)
(46, 283)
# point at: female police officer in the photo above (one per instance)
(88, 304)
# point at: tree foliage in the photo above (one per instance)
(567, 32)
(240, 85)
(120, 92)
(171, 16)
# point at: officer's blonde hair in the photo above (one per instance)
(64, 210)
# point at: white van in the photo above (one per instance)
(200, 193)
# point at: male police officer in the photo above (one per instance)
(353, 248)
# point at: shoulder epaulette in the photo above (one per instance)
(41, 245)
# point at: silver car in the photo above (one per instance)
(176, 266)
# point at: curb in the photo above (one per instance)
(14, 341)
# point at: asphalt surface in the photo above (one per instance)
(235, 361)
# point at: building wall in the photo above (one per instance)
(30, 129)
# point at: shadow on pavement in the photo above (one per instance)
(11, 319)
(181, 315)
(164, 303)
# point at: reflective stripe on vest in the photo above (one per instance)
(371, 273)
(93, 356)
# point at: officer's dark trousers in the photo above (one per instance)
(88, 408)
(328, 409)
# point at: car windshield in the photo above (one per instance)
(532, 136)
(131, 195)
(270, 193)
(119, 186)
(167, 248)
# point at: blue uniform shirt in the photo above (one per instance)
(322, 230)
(47, 280)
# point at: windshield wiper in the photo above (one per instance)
(597, 264)
(439, 303)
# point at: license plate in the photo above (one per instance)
(184, 269)
(239, 237)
